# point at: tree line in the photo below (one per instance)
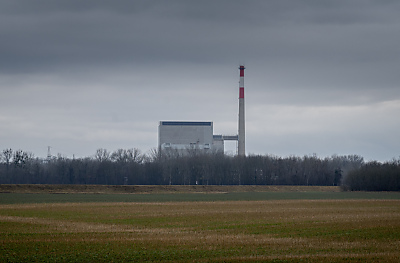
(374, 176)
(132, 167)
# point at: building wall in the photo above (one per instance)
(218, 143)
(186, 135)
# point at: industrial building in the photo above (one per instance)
(181, 136)
(185, 135)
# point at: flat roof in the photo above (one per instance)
(186, 123)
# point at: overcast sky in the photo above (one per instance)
(321, 76)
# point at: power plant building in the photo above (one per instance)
(185, 135)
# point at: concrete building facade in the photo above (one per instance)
(186, 135)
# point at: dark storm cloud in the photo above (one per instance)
(52, 35)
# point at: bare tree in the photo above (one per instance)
(135, 155)
(19, 158)
(153, 156)
(102, 155)
(120, 156)
(7, 155)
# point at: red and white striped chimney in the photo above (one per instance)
(241, 131)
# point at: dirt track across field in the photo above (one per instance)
(147, 189)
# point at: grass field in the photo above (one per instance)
(311, 226)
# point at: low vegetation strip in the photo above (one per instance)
(29, 198)
(145, 189)
(224, 231)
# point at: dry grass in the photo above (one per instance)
(233, 231)
(141, 189)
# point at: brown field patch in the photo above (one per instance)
(229, 231)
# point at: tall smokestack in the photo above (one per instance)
(241, 135)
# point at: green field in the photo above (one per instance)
(24, 198)
(312, 226)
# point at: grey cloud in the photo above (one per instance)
(81, 63)
(100, 32)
